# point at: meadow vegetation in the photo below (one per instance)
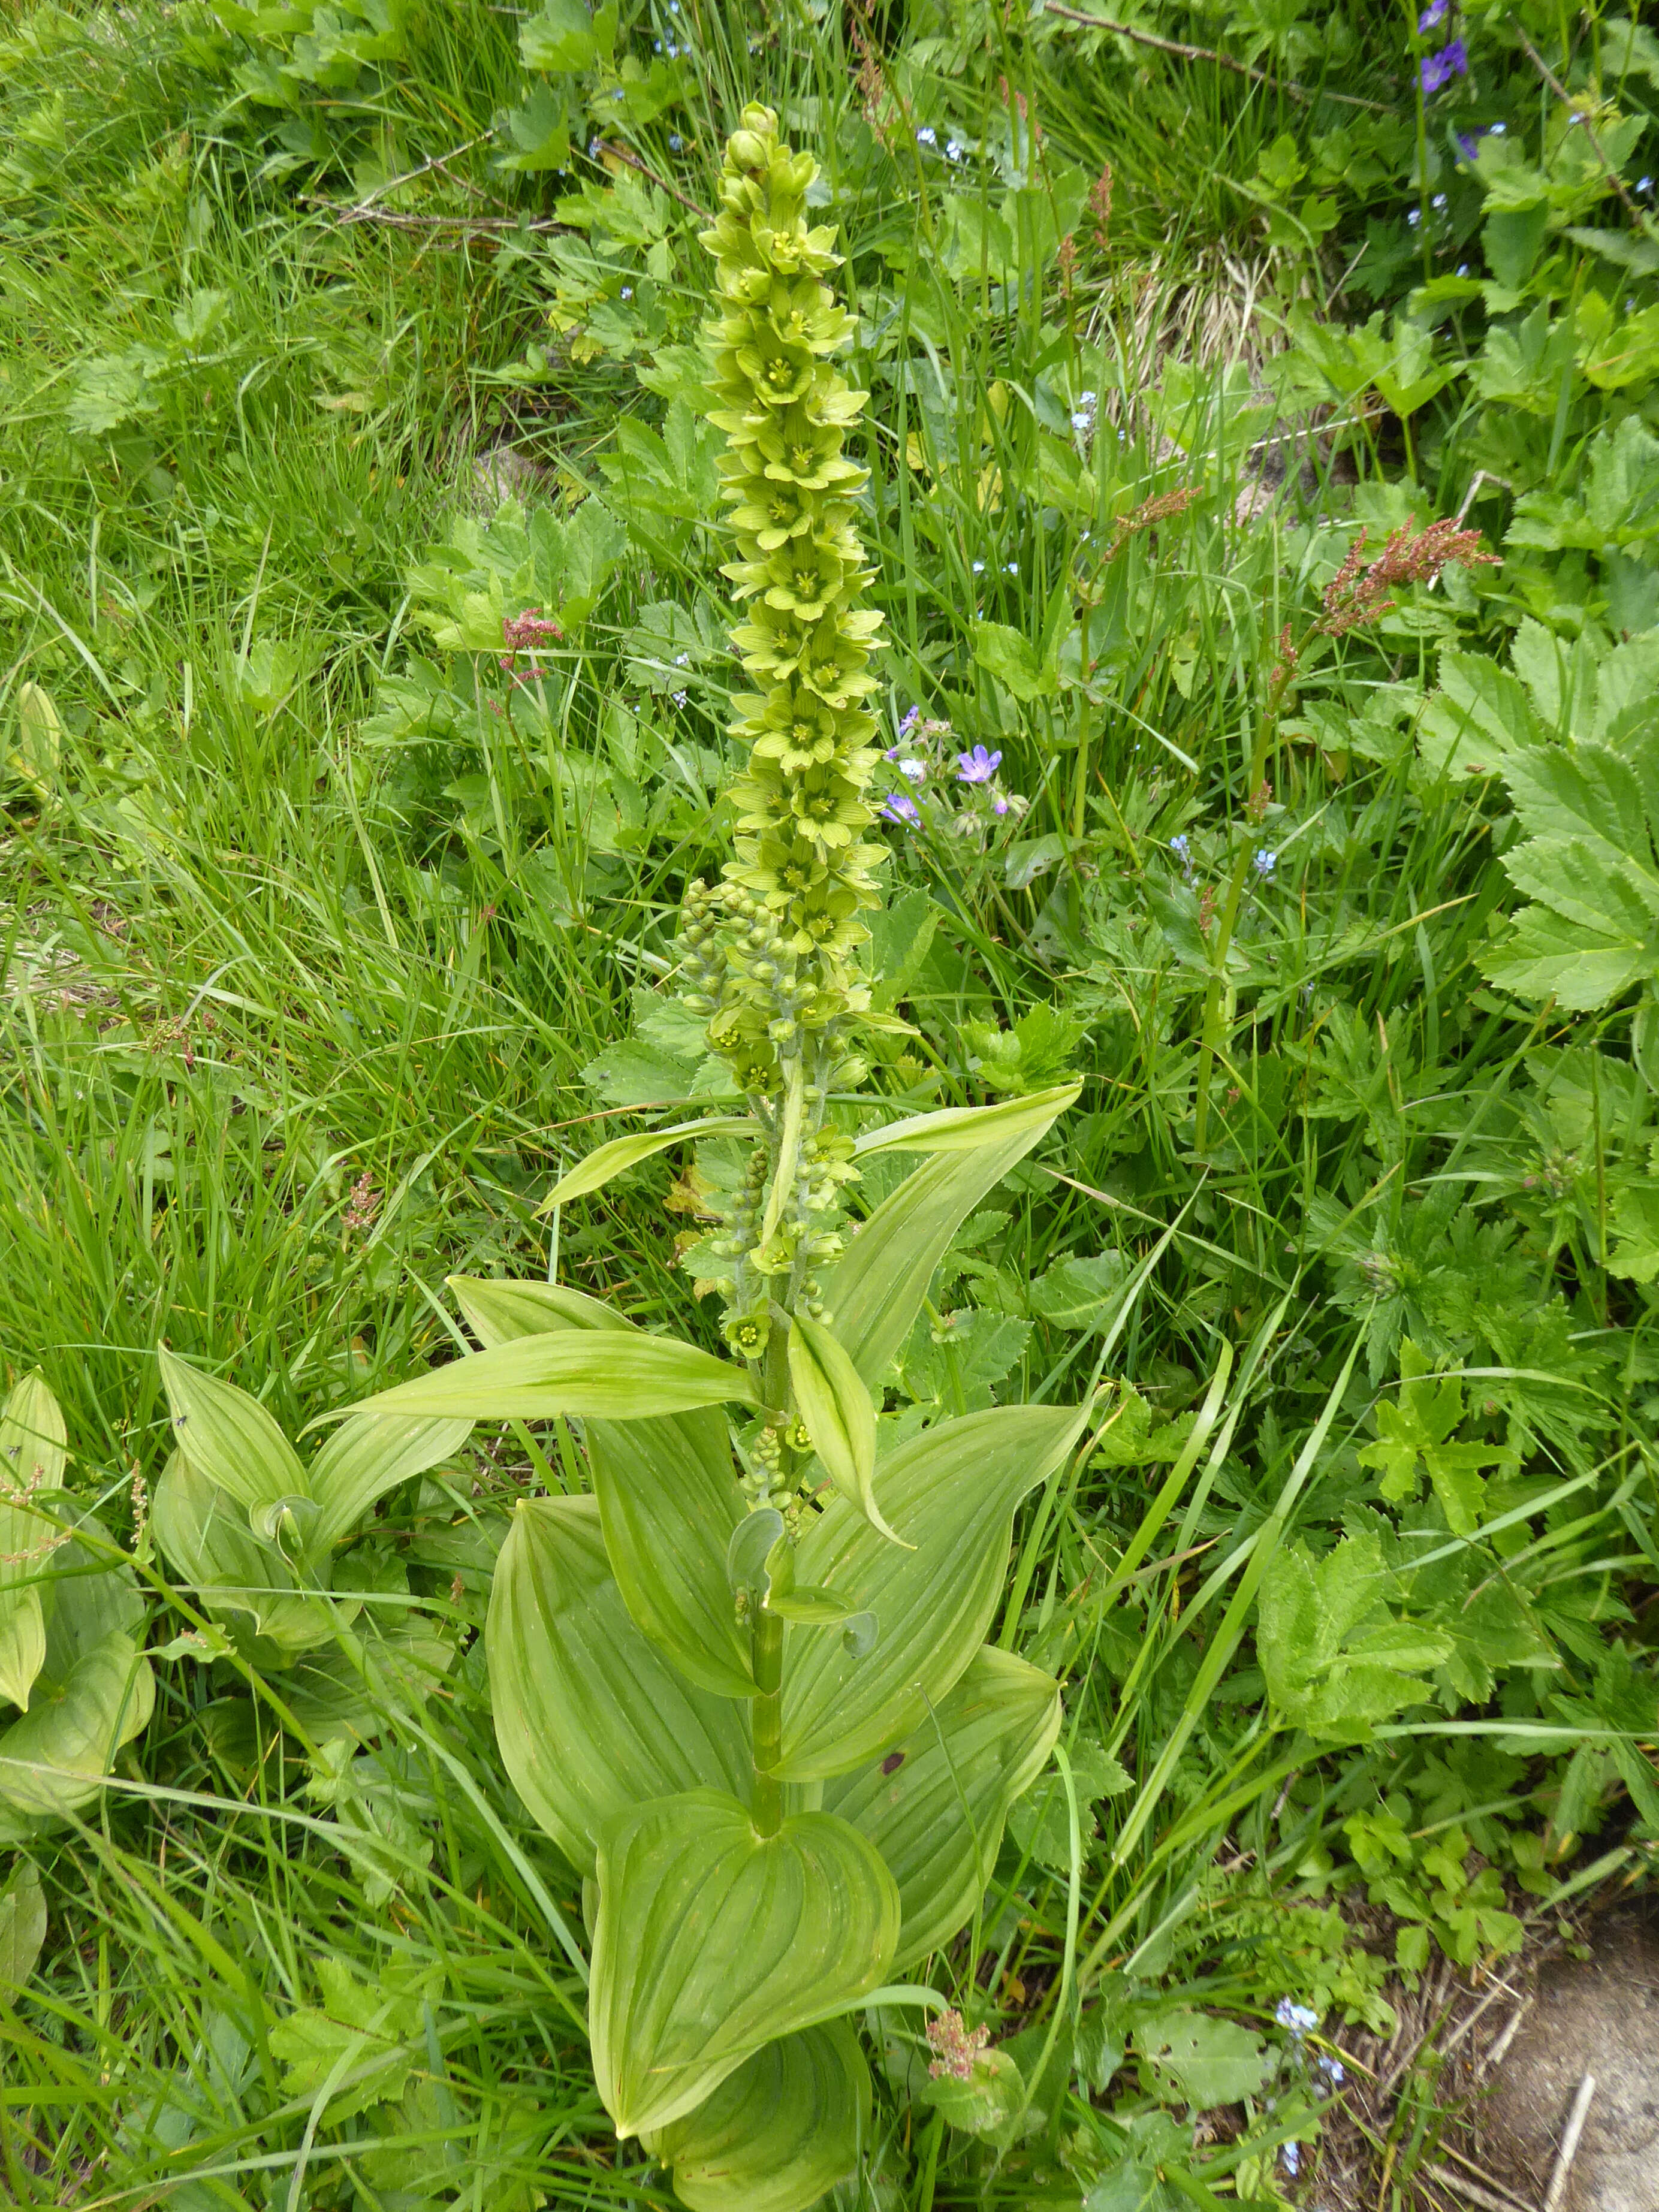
(1263, 509)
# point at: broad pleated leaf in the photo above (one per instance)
(23, 1629)
(365, 1457)
(934, 1805)
(618, 1375)
(840, 1420)
(33, 1441)
(53, 1759)
(589, 1716)
(713, 1940)
(86, 1592)
(874, 1292)
(778, 2133)
(205, 1538)
(22, 1926)
(668, 1502)
(33, 1449)
(501, 1312)
(229, 1437)
(969, 1128)
(951, 1493)
(624, 1152)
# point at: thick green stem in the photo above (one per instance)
(766, 1649)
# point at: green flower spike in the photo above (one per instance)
(771, 955)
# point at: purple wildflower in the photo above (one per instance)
(978, 766)
(1433, 14)
(903, 809)
(1000, 804)
(1440, 68)
(1467, 144)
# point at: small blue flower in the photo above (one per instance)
(1495, 130)
(1433, 14)
(1413, 217)
(926, 135)
(1334, 2070)
(1299, 2019)
(912, 716)
(626, 291)
(1645, 185)
(1467, 144)
(1011, 568)
(1438, 70)
(1182, 848)
(1290, 2157)
(978, 766)
(903, 809)
(1265, 863)
(913, 771)
(1000, 804)
(979, 568)
(953, 150)
(675, 143)
(678, 697)
(1438, 201)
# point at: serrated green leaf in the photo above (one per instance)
(229, 1439)
(934, 1805)
(713, 1940)
(589, 1716)
(613, 1375)
(875, 1290)
(951, 1493)
(840, 1420)
(778, 2133)
(669, 1500)
(624, 1152)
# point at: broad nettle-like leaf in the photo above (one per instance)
(778, 2133)
(875, 1290)
(951, 1494)
(1336, 1658)
(1203, 2061)
(590, 1718)
(669, 1500)
(713, 1940)
(934, 1805)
